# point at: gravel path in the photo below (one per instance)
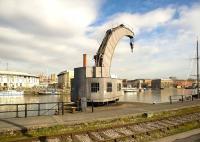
(189, 136)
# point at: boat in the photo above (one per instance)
(130, 90)
(189, 87)
(11, 93)
(48, 92)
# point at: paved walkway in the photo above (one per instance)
(189, 136)
(105, 112)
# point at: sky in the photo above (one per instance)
(49, 36)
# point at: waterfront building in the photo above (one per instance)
(136, 83)
(46, 80)
(147, 83)
(184, 83)
(64, 79)
(162, 83)
(43, 80)
(139, 83)
(124, 83)
(53, 79)
(12, 80)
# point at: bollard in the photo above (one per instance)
(25, 110)
(17, 110)
(182, 98)
(92, 106)
(170, 99)
(38, 109)
(62, 108)
(83, 104)
(58, 108)
(79, 105)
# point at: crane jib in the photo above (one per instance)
(106, 50)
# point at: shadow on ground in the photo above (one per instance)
(23, 129)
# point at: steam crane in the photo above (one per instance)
(103, 57)
(95, 83)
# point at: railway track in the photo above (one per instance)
(124, 133)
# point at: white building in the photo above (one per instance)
(11, 80)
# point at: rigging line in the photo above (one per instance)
(190, 69)
(191, 65)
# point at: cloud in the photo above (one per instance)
(44, 17)
(136, 21)
(164, 45)
(45, 34)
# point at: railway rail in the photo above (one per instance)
(124, 133)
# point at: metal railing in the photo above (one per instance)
(181, 98)
(32, 109)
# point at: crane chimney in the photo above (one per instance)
(84, 60)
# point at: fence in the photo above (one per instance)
(180, 98)
(32, 109)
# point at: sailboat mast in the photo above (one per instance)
(198, 94)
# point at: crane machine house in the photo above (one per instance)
(95, 83)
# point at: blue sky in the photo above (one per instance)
(111, 7)
(49, 36)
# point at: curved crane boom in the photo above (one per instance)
(103, 57)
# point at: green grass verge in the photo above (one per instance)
(154, 135)
(159, 134)
(90, 126)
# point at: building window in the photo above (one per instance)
(94, 87)
(119, 86)
(109, 87)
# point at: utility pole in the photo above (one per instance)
(198, 94)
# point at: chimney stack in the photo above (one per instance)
(84, 60)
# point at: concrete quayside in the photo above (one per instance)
(36, 128)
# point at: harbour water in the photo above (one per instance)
(148, 96)
(45, 109)
(154, 96)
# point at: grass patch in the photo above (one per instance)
(92, 126)
(157, 134)
(172, 131)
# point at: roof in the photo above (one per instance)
(163, 79)
(16, 73)
(66, 71)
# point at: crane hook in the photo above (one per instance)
(132, 43)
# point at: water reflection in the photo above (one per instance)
(33, 99)
(30, 107)
(154, 96)
(148, 96)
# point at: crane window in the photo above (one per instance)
(94, 87)
(119, 86)
(109, 87)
